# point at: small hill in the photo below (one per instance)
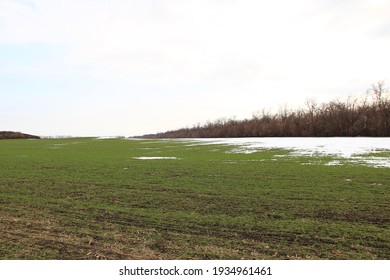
(16, 135)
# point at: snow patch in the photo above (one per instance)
(349, 148)
(334, 163)
(151, 158)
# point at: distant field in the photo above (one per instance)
(169, 199)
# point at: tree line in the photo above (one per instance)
(368, 115)
(16, 135)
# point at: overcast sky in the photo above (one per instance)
(130, 67)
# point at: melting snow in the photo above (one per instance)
(147, 158)
(350, 148)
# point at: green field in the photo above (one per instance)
(94, 199)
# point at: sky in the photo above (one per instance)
(132, 67)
